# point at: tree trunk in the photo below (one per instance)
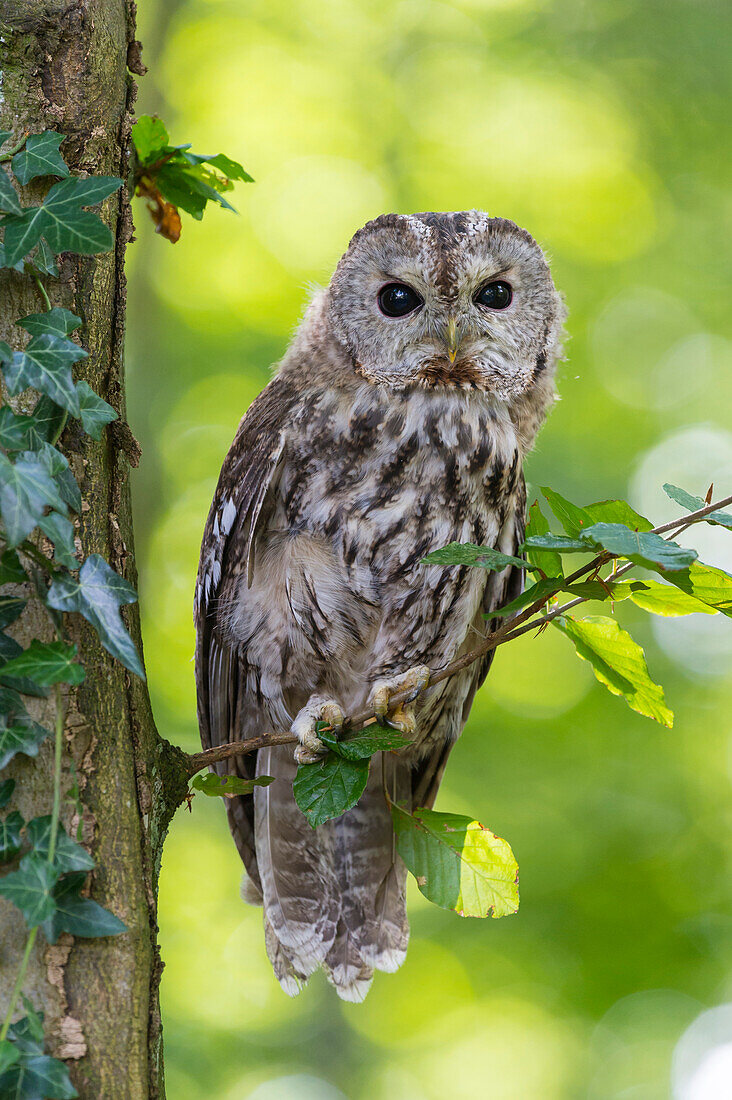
(65, 68)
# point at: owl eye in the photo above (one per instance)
(398, 299)
(496, 295)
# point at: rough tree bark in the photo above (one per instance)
(66, 67)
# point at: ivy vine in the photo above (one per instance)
(40, 553)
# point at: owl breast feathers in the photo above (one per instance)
(396, 423)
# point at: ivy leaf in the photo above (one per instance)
(7, 786)
(61, 221)
(150, 138)
(227, 786)
(47, 421)
(363, 744)
(618, 662)
(11, 571)
(22, 234)
(37, 1077)
(9, 1055)
(549, 562)
(11, 608)
(59, 469)
(16, 431)
(617, 511)
(20, 733)
(458, 863)
(9, 201)
(693, 504)
(665, 599)
(45, 365)
(643, 548)
(710, 585)
(572, 518)
(78, 915)
(467, 553)
(61, 533)
(43, 259)
(330, 787)
(27, 1033)
(26, 489)
(9, 649)
(97, 595)
(57, 321)
(69, 856)
(95, 412)
(40, 157)
(47, 663)
(30, 889)
(10, 842)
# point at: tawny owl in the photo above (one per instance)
(396, 423)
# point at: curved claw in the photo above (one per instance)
(402, 718)
(317, 709)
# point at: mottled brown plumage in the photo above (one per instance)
(380, 439)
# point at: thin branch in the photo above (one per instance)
(521, 624)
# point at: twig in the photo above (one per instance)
(523, 623)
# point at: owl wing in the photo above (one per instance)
(500, 589)
(251, 469)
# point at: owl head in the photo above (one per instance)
(447, 300)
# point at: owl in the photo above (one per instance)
(396, 423)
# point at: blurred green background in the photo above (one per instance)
(600, 126)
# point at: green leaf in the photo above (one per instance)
(26, 489)
(59, 469)
(11, 608)
(78, 915)
(30, 889)
(643, 548)
(40, 157)
(47, 663)
(22, 233)
(617, 511)
(7, 786)
(618, 662)
(48, 420)
(45, 364)
(37, 1077)
(542, 589)
(549, 562)
(16, 432)
(467, 553)
(711, 586)
(9, 201)
(10, 842)
(59, 322)
(61, 221)
(179, 189)
(458, 864)
(97, 595)
(693, 504)
(665, 599)
(27, 1033)
(11, 571)
(20, 734)
(61, 533)
(363, 744)
(227, 786)
(69, 856)
(95, 412)
(572, 518)
(150, 138)
(44, 260)
(563, 544)
(330, 787)
(9, 1055)
(230, 168)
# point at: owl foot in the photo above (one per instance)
(402, 718)
(317, 709)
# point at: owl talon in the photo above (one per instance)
(402, 718)
(317, 709)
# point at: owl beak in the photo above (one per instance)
(453, 340)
